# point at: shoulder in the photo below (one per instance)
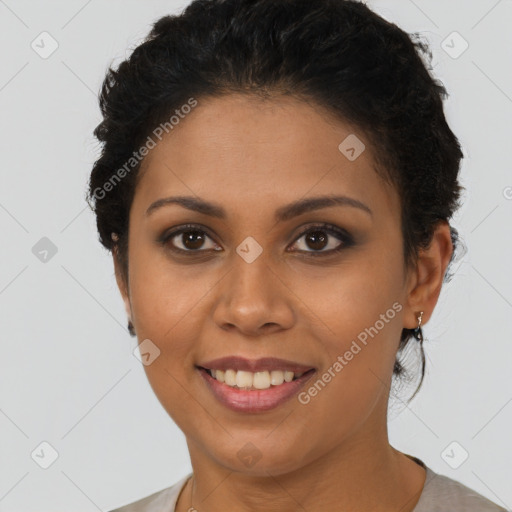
(441, 493)
(158, 501)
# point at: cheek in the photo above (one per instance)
(354, 383)
(357, 316)
(170, 306)
(168, 312)
(342, 301)
(163, 294)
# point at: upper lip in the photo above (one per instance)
(255, 365)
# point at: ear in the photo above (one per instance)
(121, 282)
(426, 279)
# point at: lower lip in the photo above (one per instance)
(240, 400)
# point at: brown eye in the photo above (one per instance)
(323, 239)
(192, 239)
(316, 240)
(189, 239)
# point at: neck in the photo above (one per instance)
(368, 475)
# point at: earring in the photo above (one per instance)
(417, 333)
(131, 330)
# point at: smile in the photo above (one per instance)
(251, 399)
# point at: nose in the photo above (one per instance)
(253, 299)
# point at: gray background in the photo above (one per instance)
(68, 375)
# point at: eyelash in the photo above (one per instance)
(346, 239)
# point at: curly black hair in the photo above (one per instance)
(336, 54)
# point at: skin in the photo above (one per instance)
(252, 157)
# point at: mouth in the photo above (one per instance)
(252, 386)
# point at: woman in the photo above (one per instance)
(276, 183)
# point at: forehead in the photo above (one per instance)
(244, 151)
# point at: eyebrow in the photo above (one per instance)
(282, 214)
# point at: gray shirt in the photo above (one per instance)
(440, 494)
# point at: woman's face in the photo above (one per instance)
(254, 285)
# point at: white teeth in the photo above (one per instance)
(288, 376)
(257, 380)
(276, 378)
(229, 377)
(243, 379)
